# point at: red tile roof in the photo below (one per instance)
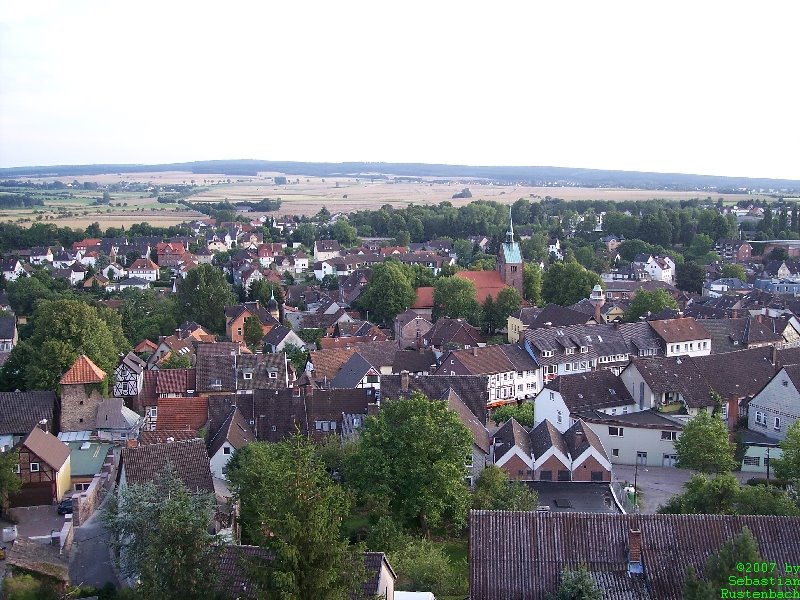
(83, 370)
(182, 413)
(424, 298)
(487, 283)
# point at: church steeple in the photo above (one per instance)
(510, 232)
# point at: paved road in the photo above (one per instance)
(90, 559)
(659, 484)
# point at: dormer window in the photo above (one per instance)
(569, 351)
(547, 353)
(584, 349)
(247, 375)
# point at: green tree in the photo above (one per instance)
(705, 445)
(454, 297)
(532, 283)
(420, 275)
(146, 315)
(463, 249)
(27, 587)
(176, 361)
(733, 270)
(721, 565)
(291, 507)
(262, 291)
(578, 585)
(490, 319)
(63, 330)
(523, 413)
(344, 233)
(631, 247)
(411, 459)
(202, 297)
(306, 234)
(25, 292)
(253, 333)
(567, 282)
(645, 303)
(402, 238)
(495, 491)
(160, 530)
(389, 291)
(297, 355)
(690, 277)
(10, 482)
(422, 565)
(788, 466)
(508, 302)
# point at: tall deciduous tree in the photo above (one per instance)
(292, 508)
(389, 291)
(733, 270)
(202, 297)
(507, 302)
(690, 277)
(566, 283)
(9, 480)
(252, 333)
(495, 491)
(411, 459)
(577, 584)
(645, 302)
(146, 315)
(454, 297)
(532, 283)
(161, 532)
(705, 445)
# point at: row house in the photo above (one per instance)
(733, 250)
(512, 373)
(660, 268)
(223, 368)
(235, 317)
(169, 383)
(410, 327)
(547, 454)
(12, 269)
(170, 254)
(40, 255)
(451, 334)
(434, 262)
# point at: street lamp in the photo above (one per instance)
(635, 480)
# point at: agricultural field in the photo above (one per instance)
(78, 207)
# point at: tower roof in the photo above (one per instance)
(83, 370)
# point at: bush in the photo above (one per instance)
(423, 565)
(27, 587)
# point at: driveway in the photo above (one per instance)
(90, 558)
(659, 484)
(37, 521)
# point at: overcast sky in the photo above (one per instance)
(694, 87)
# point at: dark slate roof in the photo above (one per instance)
(413, 361)
(352, 372)
(679, 330)
(591, 391)
(511, 434)
(235, 430)
(8, 325)
(545, 436)
(254, 308)
(600, 340)
(445, 330)
(21, 411)
(215, 363)
(472, 389)
(276, 335)
(579, 438)
(480, 435)
(557, 316)
(522, 554)
(144, 464)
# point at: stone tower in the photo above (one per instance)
(509, 260)
(598, 300)
(81, 394)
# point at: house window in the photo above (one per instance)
(545, 476)
(563, 475)
(274, 428)
(753, 461)
(17, 469)
(777, 423)
(669, 436)
(34, 467)
(81, 487)
(567, 367)
(616, 431)
(584, 349)
(597, 476)
(547, 354)
(558, 416)
(624, 410)
(239, 331)
(569, 351)
(615, 452)
(226, 450)
(761, 418)
(247, 375)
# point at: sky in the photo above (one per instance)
(700, 87)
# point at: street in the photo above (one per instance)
(90, 559)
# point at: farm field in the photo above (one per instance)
(76, 207)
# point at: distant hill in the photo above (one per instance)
(534, 176)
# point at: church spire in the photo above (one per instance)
(510, 232)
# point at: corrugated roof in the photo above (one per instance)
(182, 413)
(144, 464)
(83, 370)
(21, 411)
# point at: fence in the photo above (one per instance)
(624, 500)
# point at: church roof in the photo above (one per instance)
(511, 252)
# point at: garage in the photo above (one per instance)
(669, 460)
(33, 494)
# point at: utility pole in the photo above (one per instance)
(767, 466)
(635, 481)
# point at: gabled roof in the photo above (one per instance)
(645, 419)
(132, 363)
(591, 391)
(143, 264)
(83, 370)
(22, 411)
(144, 464)
(413, 361)
(480, 435)
(160, 437)
(447, 331)
(8, 327)
(328, 362)
(47, 447)
(580, 438)
(545, 436)
(685, 329)
(352, 372)
(509, 436)
(472, 389)
(234, 430)
(182, 413)
(113, 414)
(487, 283)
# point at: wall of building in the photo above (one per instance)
(634, 440)
(79, 408)
(220, 460)
(552, 464)
(514, 466)
(779, 398)
(583, 471)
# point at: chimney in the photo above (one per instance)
(579, 437)
(43, 425)
(475, 351)
(178, 334)
(775, 361)
(634, 551)
(373, 408)
(404, 380)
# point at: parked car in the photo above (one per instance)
(65, 507)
